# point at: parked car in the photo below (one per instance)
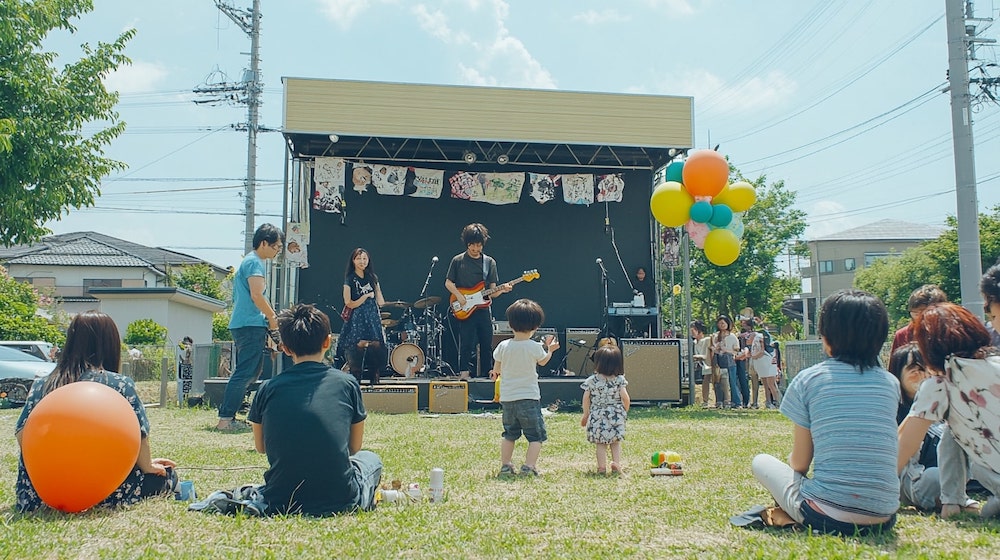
(37, 348)
(18, 370)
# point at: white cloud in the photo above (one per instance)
(713, 95)
(344, 12)
(436, 24)
(593, 17)
(139, 77)
(502, 61)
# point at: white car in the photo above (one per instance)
(18, 370)
(37, 348)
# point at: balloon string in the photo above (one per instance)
(180, 468)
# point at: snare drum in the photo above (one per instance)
(407, 359)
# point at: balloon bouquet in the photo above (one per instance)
(697, 195)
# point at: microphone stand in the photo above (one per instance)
(605, 327)
(423, 291)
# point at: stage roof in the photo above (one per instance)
(379, 121)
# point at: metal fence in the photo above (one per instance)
(800, 354)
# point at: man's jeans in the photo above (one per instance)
(249, 342)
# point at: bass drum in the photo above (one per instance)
(407, 359)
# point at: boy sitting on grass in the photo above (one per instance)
(310, 421)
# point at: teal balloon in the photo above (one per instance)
(701, 211)
(675, 171)
(721, 215)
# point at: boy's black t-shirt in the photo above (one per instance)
(306, 414)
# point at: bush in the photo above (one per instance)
(220, 327)
(145, 332)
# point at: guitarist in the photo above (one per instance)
(467, 270)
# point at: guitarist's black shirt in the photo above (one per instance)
(466, 272)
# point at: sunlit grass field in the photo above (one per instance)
(568, 512)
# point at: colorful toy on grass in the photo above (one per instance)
(666, 463)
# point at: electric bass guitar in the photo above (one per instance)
(478, 297)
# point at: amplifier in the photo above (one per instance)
(653, 368)
(448, 397)
(390, 399)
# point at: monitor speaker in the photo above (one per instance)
(653, 368)
(579, 348)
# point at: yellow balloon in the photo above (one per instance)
(677, 289)
(722, 247)
(739, 196)
(671, 204)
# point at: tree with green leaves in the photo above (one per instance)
(20, 304)
(771, 226)
(145, 332)
(201, 279)
(932, 262)
(48, 162)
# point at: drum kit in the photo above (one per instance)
(415, 337)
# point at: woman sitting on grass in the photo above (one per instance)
(93, 353)
(964, 390)
(845, 427)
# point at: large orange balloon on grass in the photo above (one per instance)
(705, 172)
(79, 444)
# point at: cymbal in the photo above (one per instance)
(385, 315)
(389, 323)
(401, 304)
(427, 302)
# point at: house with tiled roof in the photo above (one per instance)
(89, 270)
(836, 258)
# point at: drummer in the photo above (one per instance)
(362, 344)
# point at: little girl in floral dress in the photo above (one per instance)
(605, 406)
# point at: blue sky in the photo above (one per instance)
(840, 99)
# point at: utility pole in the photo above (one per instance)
(961, 46)
(246, 92)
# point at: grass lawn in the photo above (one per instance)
(569, 512)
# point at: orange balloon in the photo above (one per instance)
(705, 173)
(79, 444)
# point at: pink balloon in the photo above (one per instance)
(697, 232)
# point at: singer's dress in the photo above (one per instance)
(365, 322)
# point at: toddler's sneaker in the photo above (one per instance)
(528, 471)
(506, 471)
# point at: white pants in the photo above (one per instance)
(782, 482)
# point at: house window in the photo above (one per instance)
(102, 283)
(825, 267)
(849, 264)
(872, 257)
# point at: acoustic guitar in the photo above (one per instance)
(478, 296)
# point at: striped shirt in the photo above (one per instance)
(852, 418)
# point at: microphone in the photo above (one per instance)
(599, 261)
(434, 260)
(607, 225)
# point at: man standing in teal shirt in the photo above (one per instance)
(251, 318)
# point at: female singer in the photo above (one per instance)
(362, 340)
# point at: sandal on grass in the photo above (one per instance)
(951, 510)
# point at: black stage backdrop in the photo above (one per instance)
(562, 241)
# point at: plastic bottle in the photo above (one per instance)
(437, 485)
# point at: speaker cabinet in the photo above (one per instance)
(653, 368)
(448, 397)
(579, 348)
(390, 399)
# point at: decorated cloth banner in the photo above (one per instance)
(463, 184)
(578, 189)
(389, 179)
(361, 176)
(610, 187)
(543, 187)
(296, 245)
(501, 188)
(427, 183)
(329, 170)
